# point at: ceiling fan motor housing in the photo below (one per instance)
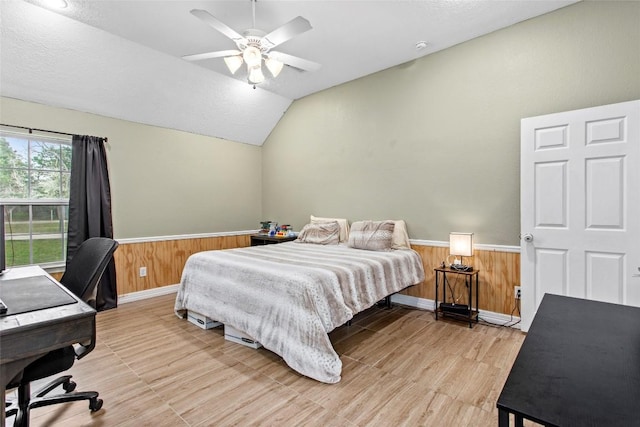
(254, 37)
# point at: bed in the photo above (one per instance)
(289, 296)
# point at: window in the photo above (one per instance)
(34, 188)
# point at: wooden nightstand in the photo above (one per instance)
(265, 239)
(459, 311)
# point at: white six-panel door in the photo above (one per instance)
(580, 206)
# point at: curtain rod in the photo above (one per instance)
(44, 130)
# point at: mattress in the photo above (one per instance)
(289, 296)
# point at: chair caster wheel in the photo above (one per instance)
(95, 404)
(69, 386)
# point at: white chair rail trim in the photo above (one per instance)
(482, 247)
(417, 242)
(184, 236)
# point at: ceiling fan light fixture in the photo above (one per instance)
(252, 56)
(233, 63)
(253, 47)
(255, 75)
(274, 66)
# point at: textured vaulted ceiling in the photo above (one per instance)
(122, 58)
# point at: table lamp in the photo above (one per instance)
(460, 245)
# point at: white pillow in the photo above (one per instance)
(342, 222)
(400, 239)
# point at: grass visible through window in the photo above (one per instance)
(44, 250)
(22, 227)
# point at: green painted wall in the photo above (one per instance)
(437, 141)
(163, 182)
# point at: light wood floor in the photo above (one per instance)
(400, 367)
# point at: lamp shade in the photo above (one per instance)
(233, 63)
(255, 75)
(274, 66)
(252, 56)
(461, 244)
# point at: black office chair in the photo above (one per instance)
(81, 277)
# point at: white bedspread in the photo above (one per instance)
(291, 295)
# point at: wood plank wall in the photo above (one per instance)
(164, 260)
(499, 271)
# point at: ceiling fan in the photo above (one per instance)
(255, 45)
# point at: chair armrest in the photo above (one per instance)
(82, 349)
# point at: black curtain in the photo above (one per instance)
(90, 208)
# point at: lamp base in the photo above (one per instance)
(461, 267)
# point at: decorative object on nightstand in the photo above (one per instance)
(265, 239)
(284, 230)
(273, 228)
(460, 311)
(264, 226)
(460, 245)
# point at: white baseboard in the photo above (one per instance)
(427, 304)
(422, 303)
(408, 300)
(149, 293)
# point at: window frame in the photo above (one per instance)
(30, 202)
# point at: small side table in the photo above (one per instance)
(470, 314)
(265, 239)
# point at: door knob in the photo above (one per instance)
(528, 237)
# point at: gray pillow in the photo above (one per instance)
(320, 233)
(371, 235)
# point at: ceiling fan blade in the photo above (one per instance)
(294, 61)
(286, 32)
(208, 55)
(218, 25)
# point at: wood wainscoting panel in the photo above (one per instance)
(499, 273)
(164, 260)
(57, 275)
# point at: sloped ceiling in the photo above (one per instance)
(122, 59)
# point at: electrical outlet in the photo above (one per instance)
(516, 292)
(143, 271)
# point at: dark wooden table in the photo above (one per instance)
(578, 366)
(26, 336)
(265, 239)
